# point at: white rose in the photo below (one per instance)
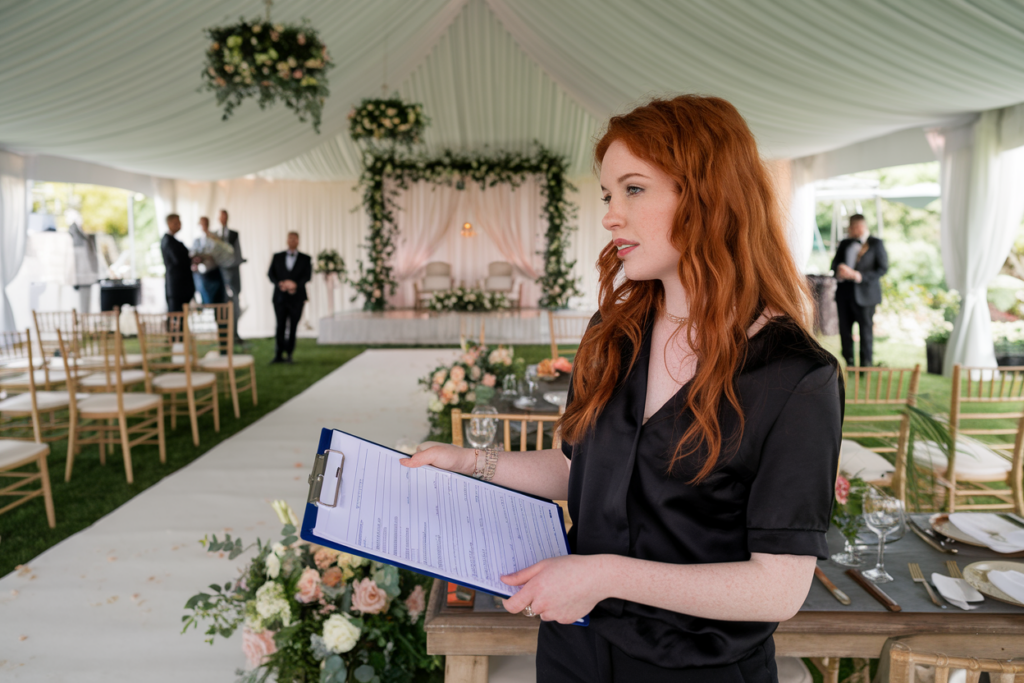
(436, 405)
(273, 566)
(271, 603)
(340, 634)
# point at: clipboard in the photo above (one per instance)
(326, 480)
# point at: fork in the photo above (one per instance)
(918, 577)
(953, 570)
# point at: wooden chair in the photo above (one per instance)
(48, 370)
(47, 323)
(212, 330)
(999, 656)
(24, 414)
(877, 402)
(105, 320)
(975, 463)
(92, 361)
(15, 455)
(111, 417)
(166, 350)
(566, 328)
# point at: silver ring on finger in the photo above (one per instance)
(528, 611)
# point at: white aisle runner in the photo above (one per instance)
(105, 605)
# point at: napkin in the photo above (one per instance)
(992, 530)
(957, 591)
(1011, 583)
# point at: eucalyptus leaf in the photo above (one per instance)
(364, 674)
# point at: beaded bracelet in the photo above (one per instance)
(486, 463)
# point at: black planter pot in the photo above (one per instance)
(1008, 360)
(935, 352)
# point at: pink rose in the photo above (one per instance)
(325, 557)
(297, 74)
(489, 380)
(842, 489)
(332, 577)
(416, 603)
(301, 38)
(309, 586)
(458, 374)
(257, 646)
(368, 598)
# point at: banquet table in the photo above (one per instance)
(822, 628)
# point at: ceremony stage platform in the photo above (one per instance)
(412, 327)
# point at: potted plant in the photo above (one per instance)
(1008, 340)
(935, 346)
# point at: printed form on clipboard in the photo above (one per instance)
(439, 523)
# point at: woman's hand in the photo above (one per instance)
(443, 456)
(562, 589)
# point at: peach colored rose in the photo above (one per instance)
(489, 380)
(309, 586)
(416, 603)
(257, 646)
(332, 577)
(325, 557)
(368, 598)
(458, 374)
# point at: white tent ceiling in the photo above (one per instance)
(115, 83)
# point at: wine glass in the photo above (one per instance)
(882, 514)
(481, 430)
(509, 386)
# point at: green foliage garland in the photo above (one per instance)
(467, 300)
(390, 120)
(269, 61)
(454, 169)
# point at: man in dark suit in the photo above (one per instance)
(232, 277)
(179, 287)
(859, 265)
(290, 270)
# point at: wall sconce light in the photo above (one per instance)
(467, 230)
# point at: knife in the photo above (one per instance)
(916, 528)
(1012, 518)
(836, 593)
(874, 591)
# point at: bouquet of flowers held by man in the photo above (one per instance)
(310, 613)
(471, 379)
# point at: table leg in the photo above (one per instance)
(829, 668)
(465, 669)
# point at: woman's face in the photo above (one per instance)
(642, 201)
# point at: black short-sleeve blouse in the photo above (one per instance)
(771, 493)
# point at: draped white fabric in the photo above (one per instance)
(426, 213)
(802, 219)
(982, 203)
(115, 83)
(13, 212)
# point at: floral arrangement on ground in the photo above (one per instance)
(311, 613)
(470, 380)
(467, 299)
(387, 120)
(330, 261)
(269, 61)
(376, 280)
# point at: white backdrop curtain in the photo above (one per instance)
(13, 212)
(426, 212)
(982, 202)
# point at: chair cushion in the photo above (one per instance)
(498, 283)
(214, 361)
(499, 269)
(20, 363)
(45, 400)
(14, 452)
(38, 375)
(127, 377)
(176, 380)
(436, 283)
(439, 268)
(857, 461)
(107, 403)
(974, 461)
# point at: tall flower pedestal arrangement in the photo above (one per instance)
(330, 263)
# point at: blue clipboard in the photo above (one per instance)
(309, 518)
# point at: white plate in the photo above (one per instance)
(976, 574)
(941, 524)
(524, 402)
(557, 398)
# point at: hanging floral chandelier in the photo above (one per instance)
(269, 61)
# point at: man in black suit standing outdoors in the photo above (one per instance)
(859, 265)
(290, 270)
(179, 288)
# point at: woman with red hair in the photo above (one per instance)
(701, 436)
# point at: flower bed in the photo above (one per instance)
(467, 300)
(310, 613)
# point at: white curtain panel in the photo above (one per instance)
(802, 215)
(13, 212)
(587, 241)
(982, 204)
(426, 212)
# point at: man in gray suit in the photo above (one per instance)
(859, 264)
(232, 279)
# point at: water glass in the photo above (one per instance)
(882, 514)
(509, 386)
(481, 430)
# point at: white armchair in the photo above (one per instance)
(501, 278)
(437, 278)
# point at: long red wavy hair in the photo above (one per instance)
(735, 263)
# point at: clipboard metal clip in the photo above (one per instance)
(316, 479)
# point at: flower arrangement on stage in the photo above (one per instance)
(387, 120)
(469, 380)
(455, 169)
(466, 299)
(311, 613)
(330, 261)
(271, 62)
